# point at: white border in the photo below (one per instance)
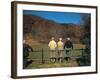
(31, 72)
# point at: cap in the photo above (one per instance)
(52, 38)
(60, 39)
(68, 38)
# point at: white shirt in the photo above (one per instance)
(52, 45)
(60, 45)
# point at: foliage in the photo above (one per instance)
(86, 39)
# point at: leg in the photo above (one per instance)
(52, 56)
(66, 58)
(70, 53)
(60, 58)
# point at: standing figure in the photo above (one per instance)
(68, 46)
(52, 46)
(60, 46)
(26, 49)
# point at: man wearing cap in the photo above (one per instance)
(60, 46)
(68, 46)
(52, 46)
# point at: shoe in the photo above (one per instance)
(53, 60)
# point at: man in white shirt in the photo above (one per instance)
(60, 46)
(52, 46)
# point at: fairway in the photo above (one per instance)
(36, 56)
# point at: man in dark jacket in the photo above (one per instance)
(26, 49)
(68, 46)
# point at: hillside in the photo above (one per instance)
(42, 30)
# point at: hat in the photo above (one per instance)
(60, 39)
(68, 38)
(52, 38)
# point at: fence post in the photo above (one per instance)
(43, 56)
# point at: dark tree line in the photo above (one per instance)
(85, 59)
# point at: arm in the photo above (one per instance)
(49, 44)
(55, 44)
(64, 45)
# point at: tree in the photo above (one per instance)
(85, 59)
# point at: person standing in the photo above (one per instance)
(68, 46)
(52, 46)
(60, 46)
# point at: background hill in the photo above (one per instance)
(39, 29)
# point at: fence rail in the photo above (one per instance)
(42, 54)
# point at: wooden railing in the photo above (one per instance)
(43, 55)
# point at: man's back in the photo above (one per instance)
(68, 44)
(52, 44)
(60, 45)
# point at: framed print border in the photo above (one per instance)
(14, 34)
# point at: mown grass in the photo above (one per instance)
(72, 63)
(37, 59)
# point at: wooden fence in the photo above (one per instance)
(42, 53)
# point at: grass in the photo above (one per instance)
(48, 64)
(37, 60)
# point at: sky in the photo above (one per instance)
(59, 17)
